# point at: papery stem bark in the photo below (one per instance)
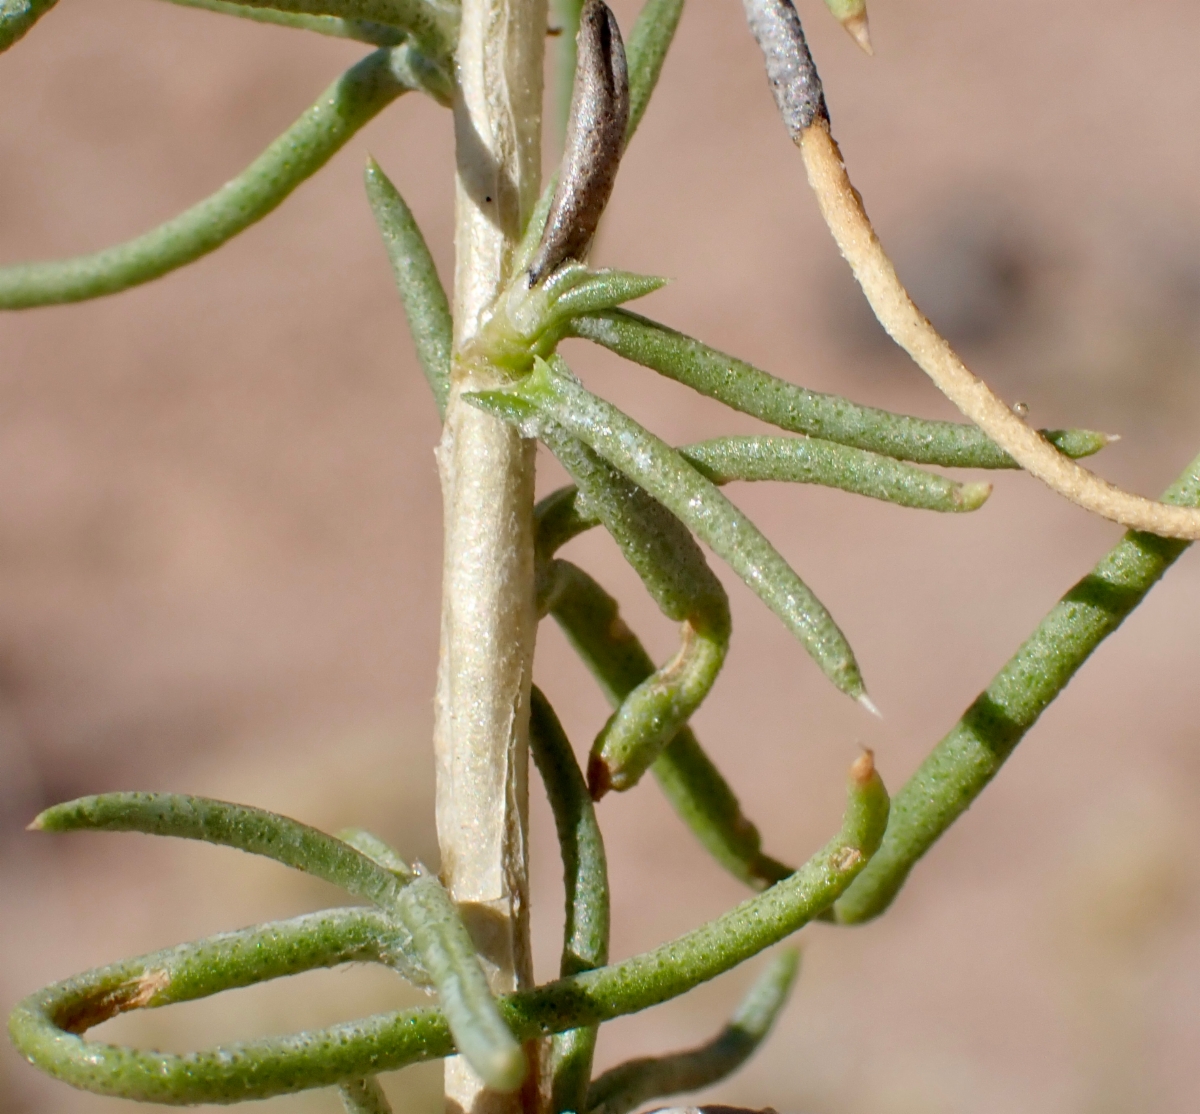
(488, 615)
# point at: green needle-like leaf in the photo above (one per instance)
(629, 1085)
(378, 851)
(585, 882)
(433, 24)
(424, 911)
(342, 1053)
(447, 953)
(658, 469)
(364, 1096)
(812, 461)
(421, 292)
(965, 761)
(591, 620)
(743, 387)
(564, 15)
(377, 34)
(645, 52)
(672, 567)
(346, 106)
(248, 829)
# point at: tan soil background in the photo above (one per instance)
(219, 534)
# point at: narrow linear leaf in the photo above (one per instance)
(649, 40)
(603, 288)
(359, 30)
(18, 16)
(364, 1096)
(424, 911)
(378, 851)
(697, 791)
(227, 961)
(565, 16)
(421, 291)
(628, 1085)
(252, 830)
(385, 1042)
(348, 104)
(433, 24)
(743, 387)
(448, 954)
(585, 882)
(811, 461)
(664, 474)
(672, 566)
(960, 767)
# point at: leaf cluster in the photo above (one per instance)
(663, 506)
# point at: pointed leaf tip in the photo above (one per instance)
(865, 701)
(860, 32)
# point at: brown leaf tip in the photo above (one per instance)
(599, 777)
(863, 768)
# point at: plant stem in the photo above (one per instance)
(488, 616)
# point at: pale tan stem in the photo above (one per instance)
(488, 616)
(842, 208)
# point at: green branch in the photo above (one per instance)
(421, 291)
(629, 1085)
(658, 469)
(433, 24)
(687, 777)
(811, 461)
(385, 1042)
(426, 922)
(965, 761)
(346, 106)
(585, 883)
(359, 30)
(743, 387)
(672, 567)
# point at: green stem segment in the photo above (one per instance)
(585, 882)
(743, 387)
(628, 1085)
(345, 107)
(342, 1053)
(965, 761)
(658, 469)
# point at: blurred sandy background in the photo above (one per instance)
(219, 534)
